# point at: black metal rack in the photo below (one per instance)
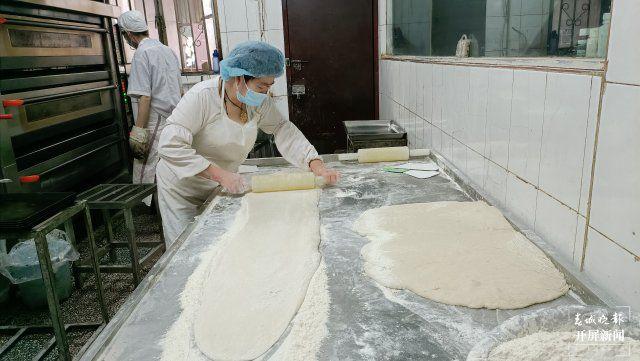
(121, 198)
(39, 233)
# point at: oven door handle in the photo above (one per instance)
(51, 25)
(64, 95)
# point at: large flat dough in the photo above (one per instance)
(259, 278)
(459, 253)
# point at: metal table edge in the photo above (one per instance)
(99, 344)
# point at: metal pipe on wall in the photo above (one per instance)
(115, 77)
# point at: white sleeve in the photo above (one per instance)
(139, 82)
(174, 146)
(291, 143)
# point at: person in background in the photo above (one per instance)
(213, 128)
(155, 89)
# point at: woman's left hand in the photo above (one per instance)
(331, 176)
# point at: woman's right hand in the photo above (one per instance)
(232, 182)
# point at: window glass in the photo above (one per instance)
(189, 29)
(209, 19)
(192, 35)
(171, 25)
(499, 28)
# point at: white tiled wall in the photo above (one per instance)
(530, 124)
(556, 224)
(615, 207)
(624, 56)
(612, 266)
(566, 113)
(500, 94)
(527, 140)
(587, 161)
(242, 20)
(527, 115)
(521, 199)
(613, 240)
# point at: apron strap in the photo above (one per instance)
(153, 136)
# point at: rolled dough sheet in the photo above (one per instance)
(258, 280)
(459, 253)
(561, 346)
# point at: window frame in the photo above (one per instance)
(580, 65)
(180, 39)
(590, 66)
(160, 25)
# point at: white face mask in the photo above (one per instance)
(252, 98)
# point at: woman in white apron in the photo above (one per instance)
(213, 128)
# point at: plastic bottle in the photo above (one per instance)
(216, 62)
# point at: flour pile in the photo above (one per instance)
(250, 284)
(561, 346)
(309, 327)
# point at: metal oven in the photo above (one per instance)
(62, 125)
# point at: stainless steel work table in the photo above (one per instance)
(365, 321)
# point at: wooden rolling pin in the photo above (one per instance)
(390, 154)
(285, 182)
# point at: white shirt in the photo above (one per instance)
(155, 72)
(198, 134)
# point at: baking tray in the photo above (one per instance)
(373, 130)
(20, 211)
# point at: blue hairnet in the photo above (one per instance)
(253, 58)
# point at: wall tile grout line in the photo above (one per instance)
(246, 16)
(619, 83)
(537, 188)
(584, 156)
(544, 106)
(603, 87)
(616, 243)
(466, 157)
(224, 48)
(513, 83)
(544, 117)
(486, 121)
